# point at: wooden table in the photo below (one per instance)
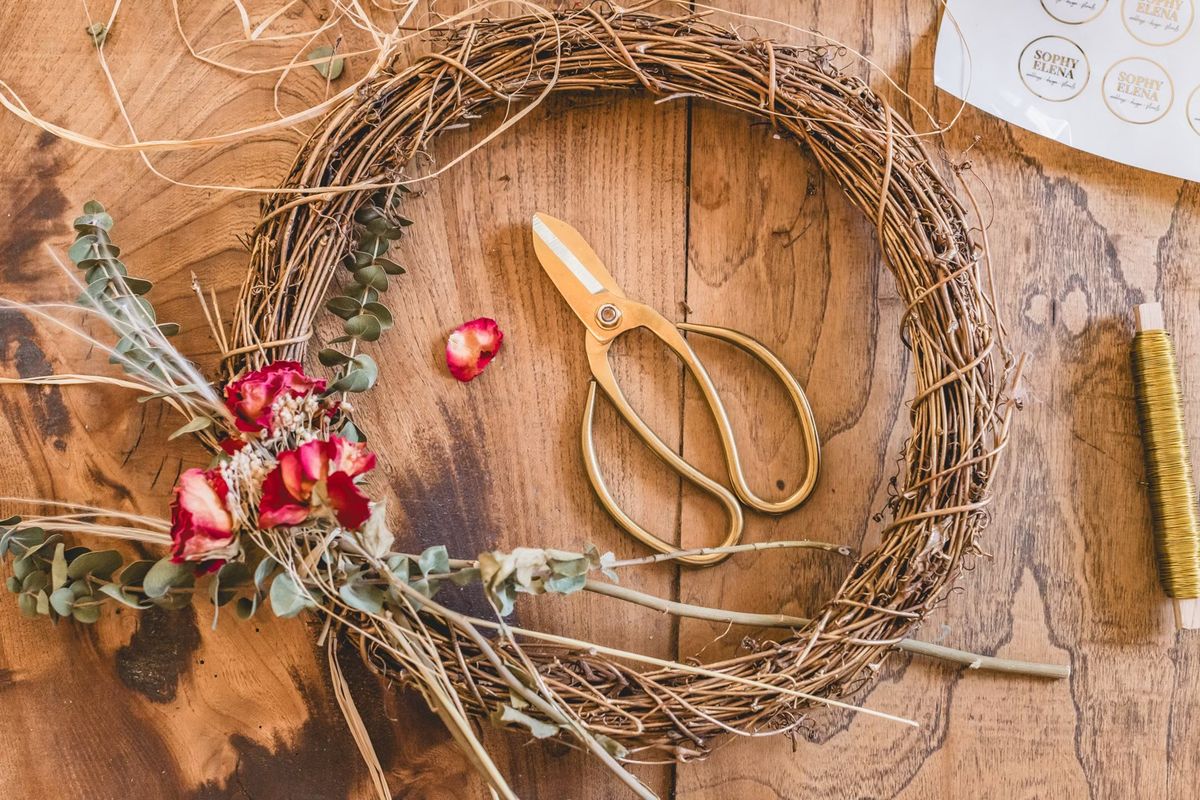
(699, 213)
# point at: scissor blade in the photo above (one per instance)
(573, 266)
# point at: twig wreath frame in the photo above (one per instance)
(959, 413)
(280, 511)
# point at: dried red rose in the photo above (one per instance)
(472, 346)
(251, 397)
(318, 474)
(201, 524)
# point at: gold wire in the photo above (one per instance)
(1168, 466)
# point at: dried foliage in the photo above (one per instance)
(363, 152)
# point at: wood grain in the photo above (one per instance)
(706, 217)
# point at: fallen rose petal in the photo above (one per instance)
(472, 346)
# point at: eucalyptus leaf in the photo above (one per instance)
(332, 69)
(361, 294)
(35, 581)
(43, 602)
(86, 614)
(464, 577)
(119, 594)
(13, 584)
(62, 600)
(28, 605)
(100, 563)
(99, 33)
(135, 573)
(565, 584)
(192, 426)
(264, 570)
(373, 246)
(356, 380)
(367, 365)
(344, 307)
(166, 575)
(332, 358)
(362, 596)
(58, 567)
(233, 576)
(81, 249)
(434, 560)
(245, 607)
(365, 327)
(367, 214)
(373, 277)
(389, 266)
(287, 598)
(380, 312)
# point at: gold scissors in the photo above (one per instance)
(606, 312)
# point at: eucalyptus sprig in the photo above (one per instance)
(364, 317)
(117, 294)
(56, 581)
(142, 347)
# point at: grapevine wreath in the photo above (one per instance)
(280, 513)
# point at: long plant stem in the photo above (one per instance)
(970, 660)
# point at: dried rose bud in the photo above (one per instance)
(472, 346)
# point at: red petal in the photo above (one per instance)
(278, 506)
(349, 457)
(349, 503)
(472, 346)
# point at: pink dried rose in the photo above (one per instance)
(317, 475)
(472, 346)
(250, 397)
(201, 524)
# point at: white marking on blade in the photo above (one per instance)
(565, 255)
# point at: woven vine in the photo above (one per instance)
(364, 149)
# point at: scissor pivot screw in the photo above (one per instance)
(608, 315)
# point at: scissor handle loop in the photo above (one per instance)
(592, 464)
(808, 424)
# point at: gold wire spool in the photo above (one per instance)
(1168, 465)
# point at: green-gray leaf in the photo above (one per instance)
(166, 575)
(287, 598)
(362, 596)
(372, 277)
(62, 600)
(58, 567)
(434, 560)
(380, 312)
(192, 426)
(365, 327)
(117, 593)
(332, 358)
(328, 69)
(342, 306)
(100, 563)
(86, 614)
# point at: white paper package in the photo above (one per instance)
(1118, 78)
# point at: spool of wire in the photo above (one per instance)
(1168, 464)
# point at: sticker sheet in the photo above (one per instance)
(1118, 78)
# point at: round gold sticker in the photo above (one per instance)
(1158, 22)
(1054, 68)
(1138, 90)
(1193, 109)
(1074, 12)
